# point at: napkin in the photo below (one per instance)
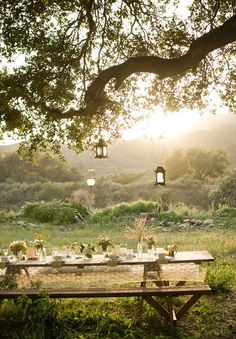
(56, 263)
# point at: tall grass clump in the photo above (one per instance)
(225, 217)
(185, 211)
(220, 277)
(56, 212)
(7, 216)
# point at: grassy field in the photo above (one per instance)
(212, 317)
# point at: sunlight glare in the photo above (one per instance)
(168, 125)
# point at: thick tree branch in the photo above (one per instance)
(198, 50)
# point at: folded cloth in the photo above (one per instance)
(2, 264)
(112, 262)
(56, 263)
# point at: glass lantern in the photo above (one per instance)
(101, 149)
(91, 180)
(160, 176)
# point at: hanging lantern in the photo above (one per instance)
(160, 176)
(91, 180)
(101, 149)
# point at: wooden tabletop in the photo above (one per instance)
(98, 260)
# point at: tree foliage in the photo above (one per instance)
(198, 163)
(43, 169)
(226, 193)
(75, 65)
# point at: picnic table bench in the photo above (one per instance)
(146, 293)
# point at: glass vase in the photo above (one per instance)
(41, 253)
(140, 249)
(105, 251)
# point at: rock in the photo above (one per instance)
(208, 222)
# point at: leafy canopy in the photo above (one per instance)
(200, 164)
(74, 66)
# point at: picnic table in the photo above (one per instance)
(144, 270)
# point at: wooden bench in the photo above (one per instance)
(146, 293)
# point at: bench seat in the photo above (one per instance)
(146, 293)
(108, 292)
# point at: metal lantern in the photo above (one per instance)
(160, 176)
(91, 180)
(101, 149)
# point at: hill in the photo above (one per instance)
(143, 154)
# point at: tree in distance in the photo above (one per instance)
(200, 164)
(75, 67)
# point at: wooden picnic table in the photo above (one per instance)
(149, 263)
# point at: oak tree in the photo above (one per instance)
(72, 67)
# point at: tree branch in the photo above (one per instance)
(198, 50)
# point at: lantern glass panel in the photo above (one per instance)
(91, 182)
(104, 151)
(160, 177)
(98, 151)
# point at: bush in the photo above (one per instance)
(125, 209)
(6, 216)
(225, 217)
(220, 278)
(14, 195)
(170, 216)
(56, 212)
(226, 194)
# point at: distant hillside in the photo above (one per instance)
(8, 148)
(143, 154)
(219, 137)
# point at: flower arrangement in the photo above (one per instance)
(139, 229)
(38, 242)
(172, 249)
(87, 250)
(18, 248)
(104, 242)
(150, 241)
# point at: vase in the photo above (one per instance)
(139, 249)
(105, 251)
(19, 255)
(172, 253)
(151, 250)
(41, 253)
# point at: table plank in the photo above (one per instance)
(98, 260)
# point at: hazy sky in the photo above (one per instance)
(174, 124)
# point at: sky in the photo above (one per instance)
(177, 123)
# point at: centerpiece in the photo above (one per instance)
(151, 243)
(139, 231)
(104, 243)
(87, 250)
(172, 250)
(18, 249)
(38, 244)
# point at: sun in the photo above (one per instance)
(168, 125)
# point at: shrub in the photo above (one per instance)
(225, 217)
(7, 215)
(226, 194)
(170, 216)
(57, 212)
(125, 209)
(220, 278)
(83, 197)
